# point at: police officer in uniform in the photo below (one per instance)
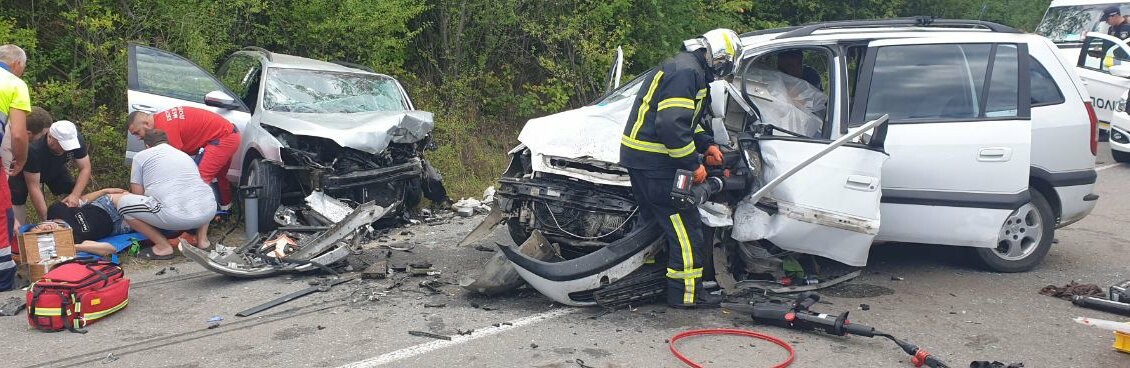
(665, 133)
(1119, 27)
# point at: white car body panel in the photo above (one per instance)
(834, 200)
(1104, 88)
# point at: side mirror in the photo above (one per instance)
(221, 100)
(1121, 70)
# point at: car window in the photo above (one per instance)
(1004, 84)
(943, 82)
(1044, 90)
(315, 91)
(790, 89)
(166, 74)
(241, 75)
(1100, 55)
(1069, 23)
(625, 91)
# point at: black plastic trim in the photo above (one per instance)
(590, 264)
(956, 199)
(1066, 178)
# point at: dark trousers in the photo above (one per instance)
(60, 184)
(687, 252)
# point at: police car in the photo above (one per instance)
(1085, 39)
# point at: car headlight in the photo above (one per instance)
(1117, 136)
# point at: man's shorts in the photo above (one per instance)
(104, 202)
(60, 185)
(186, 216)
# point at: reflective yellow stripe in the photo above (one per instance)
(685, 103)
(48, 311)
(681, 152)
(639, 145)
(653, 147)
(729, 44)
(701, 94)
(698, 129)
(697, 109)
(642, 112)
(97, 315)
(688, 257)
(693, 274)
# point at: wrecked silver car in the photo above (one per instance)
(327, 149)
(307, 126)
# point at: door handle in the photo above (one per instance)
(861, 183)
(994, 154)
(144, 108)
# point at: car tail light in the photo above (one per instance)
(1094, 128)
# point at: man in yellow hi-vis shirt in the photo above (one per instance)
(15, 104)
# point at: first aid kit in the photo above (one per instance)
(76, 294)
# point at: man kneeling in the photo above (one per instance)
(167, 193)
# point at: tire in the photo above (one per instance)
(270, 177)
(1024, 239)
(1120, 156)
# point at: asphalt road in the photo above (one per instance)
(942, 303)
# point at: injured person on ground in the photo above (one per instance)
(97, 218)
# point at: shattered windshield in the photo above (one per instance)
(625, 91)
(316, 91)
(1069, 23)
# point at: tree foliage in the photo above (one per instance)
(483, 66)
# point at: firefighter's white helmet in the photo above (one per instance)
(723, 49)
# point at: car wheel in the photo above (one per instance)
(1024, 239)
(269, 177)
(1120, 156)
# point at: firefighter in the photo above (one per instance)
(665, 133)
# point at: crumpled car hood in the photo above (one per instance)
(366, 131)
(591, 132)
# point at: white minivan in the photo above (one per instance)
(1076, 25)
(990, 145)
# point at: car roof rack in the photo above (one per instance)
(898, 22)
(769, 31)
(259, 49)
(354, 66)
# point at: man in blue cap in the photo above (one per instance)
(1112, 15)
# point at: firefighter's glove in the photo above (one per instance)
(700, 174)
(713, 156)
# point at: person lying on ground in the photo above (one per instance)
(97, 218)
(47, 160)
(165, 193)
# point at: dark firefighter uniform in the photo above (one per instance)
(663, 134)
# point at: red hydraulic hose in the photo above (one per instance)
(729, 331)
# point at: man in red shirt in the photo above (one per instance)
(191, 130)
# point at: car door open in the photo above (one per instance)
(1104, 65)
(159, 80)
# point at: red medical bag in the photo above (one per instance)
(76, 294)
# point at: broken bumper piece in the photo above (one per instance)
(323, 248)
(573, 282)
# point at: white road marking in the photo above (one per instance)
(415, 350)
(1104, 167)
